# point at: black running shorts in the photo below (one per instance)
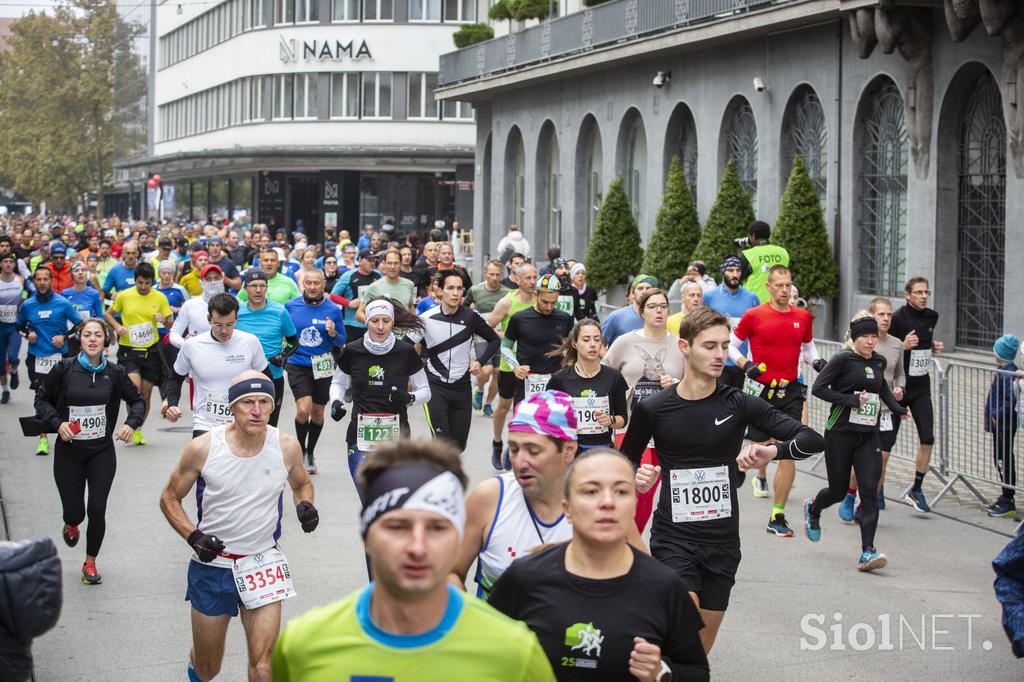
(707, 570)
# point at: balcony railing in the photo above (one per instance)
(618, 21)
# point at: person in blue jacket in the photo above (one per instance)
(44, 319)
(84, 299)
(1002, 420)
(732, 299)
(1009, 586)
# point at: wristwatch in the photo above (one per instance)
(666, 672)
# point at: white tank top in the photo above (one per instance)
(515, 530)
(239, 498)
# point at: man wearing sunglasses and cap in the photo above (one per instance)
(237, 567)
(410, 624)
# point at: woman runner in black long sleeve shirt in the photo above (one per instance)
(854, 382)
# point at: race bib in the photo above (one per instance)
(885, 422)
(867, 414)
(141, 335)
(263, 578)
(92, 421)
(920, 361)
(752, 387)
(565, 304)
(586, 414)
(701, 494)
(44, 363)
(535, 383)
(8, 314)
(323, 366)
(84, 314)
(374, 430)
(217, 408)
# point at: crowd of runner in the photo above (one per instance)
(587, 414)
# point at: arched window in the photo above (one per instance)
(588, 181)
(882, 223)
(805, 135)
(681, 141)
(515, 180)
(742, 146)
(981, 224)
(595, 189)
(636, 167)
(549, 217)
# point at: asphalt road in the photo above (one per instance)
(798, 610)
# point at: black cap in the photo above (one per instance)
(366, 253)
(182, 243)
(559, 263)
(165, 243)
(213, 240)
(195, 246)
(255, 275)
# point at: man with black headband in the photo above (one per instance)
(409, 624)
(212, 359)
(732, 300)
(242, 469)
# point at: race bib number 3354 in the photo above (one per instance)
(263, 578)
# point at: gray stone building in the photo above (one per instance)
(908, 112)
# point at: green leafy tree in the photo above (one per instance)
(593, 3)
(729, 218)
(502, 11)
(531, 9)
(62, 116)
(800, 229)
(614, 252)
(676, 232)
(471, 34)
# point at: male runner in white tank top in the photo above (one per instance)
(515, 512)
(240, 471)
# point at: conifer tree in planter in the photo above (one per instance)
(502, 11)
(471, 34)
(728, 220)
(800, 229)
(614, 251)
(676, 232)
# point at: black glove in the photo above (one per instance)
(278, 360)
(308, 516)
(752, 370)
(819, 364)
(207, 547)
(399, 397)
(337, 410)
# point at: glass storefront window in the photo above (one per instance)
(199, 199)
(413, 200)
(241, 199)
(218, 199)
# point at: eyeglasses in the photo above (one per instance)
(656, 306)
(223, 326)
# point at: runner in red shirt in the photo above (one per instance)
(779, 335)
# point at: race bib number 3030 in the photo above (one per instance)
(702, 494)
(263, 578)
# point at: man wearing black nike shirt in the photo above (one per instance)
(534, 333)
(698, 428)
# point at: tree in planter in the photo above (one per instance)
(676, 232)
(614, 251)
(800, 229)
(531, 9)
(471, 34)
(729, 218)
(593, 3)
(502, 11)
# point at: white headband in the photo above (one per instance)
(379, 307)
(576, 268)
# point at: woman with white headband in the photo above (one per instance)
(378, 369)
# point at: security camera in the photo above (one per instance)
(759, 84)
(662, 78)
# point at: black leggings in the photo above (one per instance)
(450, 411)
(72, 471)
(1006, 464)
(861, 452)
(920, 403)
(278, 400)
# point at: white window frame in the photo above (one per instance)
(422, 8)
(345, 6)
(464, 111)
(346, 78)
(281, 8)
(426, 95)
(378, 5)
(283, 97)
(375, 78)
(305, 11)
(304, 88)
(461, 15)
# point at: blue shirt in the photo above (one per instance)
(621, 321)
(119, 278)
(270, 324)
(732, 304)
(290, 267)
(175, 296)
(47, 320)
(426, 304)
(87, 302)
(311, 323)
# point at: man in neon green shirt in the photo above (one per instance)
(410, 625)
(280, 288)
(758, 257)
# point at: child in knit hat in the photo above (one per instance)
(1001, 420)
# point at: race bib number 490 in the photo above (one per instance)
(263, 578)
(374, 430)
(92, 421)
(702, 494)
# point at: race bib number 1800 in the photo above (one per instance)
(702, 494)
(263, 578)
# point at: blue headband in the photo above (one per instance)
(248, 387)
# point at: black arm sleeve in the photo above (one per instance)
(683, 651)
(172, 388)
(291, 344)
(641, 427)
(490, 336)
(133, 399)
(823, 384)
(885, 393)
(796, 441)
(48, 398)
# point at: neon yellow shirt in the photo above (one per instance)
(138, 311)
(674, 321)
(340, 643)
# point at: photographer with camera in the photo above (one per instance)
(757, 257)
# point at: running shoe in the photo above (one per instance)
(871, 559)
(70, 534)
(881, 498)
(43, 448)
(478, 399)
(916, 499)
(846, 508)
(5, 398)
(812, 523)
(488, 410)
(1002, 508)
(496, 448)
(138, 438)
(310, 464)
(89, 574)
(760, 486)
(779, 526)
(15, 381)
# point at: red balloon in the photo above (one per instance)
(156, 179)
(151, 184)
